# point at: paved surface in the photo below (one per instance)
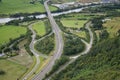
(43, 37)
(58, 48)
(73, 58)
(88, 45)
(35, 53)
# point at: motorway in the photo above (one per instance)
(73, 58)
(58, 47)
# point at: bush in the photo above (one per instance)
(46, 45)
(2, 72)
(101, 63)
(73, 45)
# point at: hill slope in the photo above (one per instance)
(102, 63)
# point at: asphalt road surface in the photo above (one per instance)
(58, 47)
(35, 53)
(73, 58)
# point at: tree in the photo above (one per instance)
(119, 32)
(104, 34)
(2, 72)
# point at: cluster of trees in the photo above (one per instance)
(104, 34)
(16, 22)
(58, 64)
(6, 47)
(25, 14)
(34, 1)
(97, 23)
(2, 72)
(47, 27)
(103, 8)
(28, 37)
(101, 63)
(73, 45)
(14, 42)
(46, 45)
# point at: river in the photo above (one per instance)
(5, 20)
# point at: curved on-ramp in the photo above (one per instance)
(73, 58)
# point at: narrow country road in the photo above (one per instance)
(58, 47)
(88, 45)
(73, 58)
(35, 53)
(44, 37)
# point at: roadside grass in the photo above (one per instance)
(39, 27)
(46, 46)
(118, 10)
(52, 8)
(12, 70)
(11, 32)
(81, 34)
(21, 6)
(27, 23)
(73, 23)
(30, 68)
(23, 58)
(41, 65)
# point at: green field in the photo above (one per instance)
(21, 6)
(39, 27)
(73, 23)
(80, 34)
(112, 26)
(12, 70)
(10, 32)
(77, 20)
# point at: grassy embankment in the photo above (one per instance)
(21, 6)
(39, 27)
(43, 29)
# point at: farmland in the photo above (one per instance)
(11, 32)
(12, 70)
(21, 6)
